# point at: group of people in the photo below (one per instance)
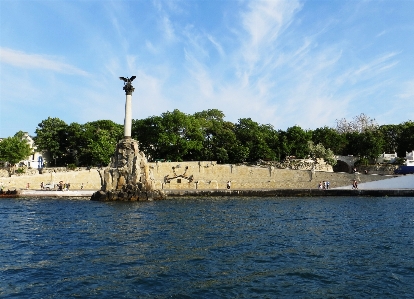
(324, 185)
(61, 186)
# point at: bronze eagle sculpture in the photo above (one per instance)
(127, 80)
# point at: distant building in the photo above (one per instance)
(37, 159)
(409, 156)
(387, 158)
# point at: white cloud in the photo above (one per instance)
(167, 28)
(408, 91)
(263, 23)
(218, 47)
(36, 61)
(377, 65)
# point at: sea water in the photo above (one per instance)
(343, 247)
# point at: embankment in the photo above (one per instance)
(199, 175)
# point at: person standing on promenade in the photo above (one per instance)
(354, 184)
(228, 184)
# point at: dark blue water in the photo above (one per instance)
(210, 248)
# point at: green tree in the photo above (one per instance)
(319, 151)
(14, 149)
(182, 137)
(97, 142)
(294, 142)
(406, 138)
(219, 139)
(329, 138)
(51, 136)
(101, 148)
(146, 132)
(368, 144)
(258, 139)
(390, 135)
(172, 136)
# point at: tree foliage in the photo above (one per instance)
(256, 139)
(205, 135)
(51, 137)
(294, 142)
(319, 151)
(359, 124)
(14, 149)
(330, 139)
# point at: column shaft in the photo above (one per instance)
(128, 117)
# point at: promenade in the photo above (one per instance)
(397, 186)
(54, 193)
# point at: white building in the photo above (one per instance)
(409, 156)
(37, 159)
(387, 158)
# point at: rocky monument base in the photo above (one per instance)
(128, 177)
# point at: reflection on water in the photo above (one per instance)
(208, 248)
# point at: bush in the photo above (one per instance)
(71, 166)
(20, 170)
(362, 162)
(399, 161)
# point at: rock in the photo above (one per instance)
(127, 177)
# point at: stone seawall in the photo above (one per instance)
(288, 193)
(89, 178)
(209, 175)
(223, 193)
(202, 176)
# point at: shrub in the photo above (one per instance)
(71, 166)
(399, 161)
(20, 170)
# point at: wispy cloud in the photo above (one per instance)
(408, 91)
(263, 23)
(36, 61)
(377, 65)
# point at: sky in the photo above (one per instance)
(284, 63)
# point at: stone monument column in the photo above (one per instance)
(128, 106)
(127, 177)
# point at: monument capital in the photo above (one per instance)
(128, 84)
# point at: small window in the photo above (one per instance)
(179, 181)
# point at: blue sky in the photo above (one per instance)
(282, 63)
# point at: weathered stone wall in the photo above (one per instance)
(209, 175)
(205, 175)
(89, 178)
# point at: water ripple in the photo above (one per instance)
(208, 248)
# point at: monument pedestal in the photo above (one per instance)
(128, 177)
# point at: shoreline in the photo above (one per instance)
(174, 193)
